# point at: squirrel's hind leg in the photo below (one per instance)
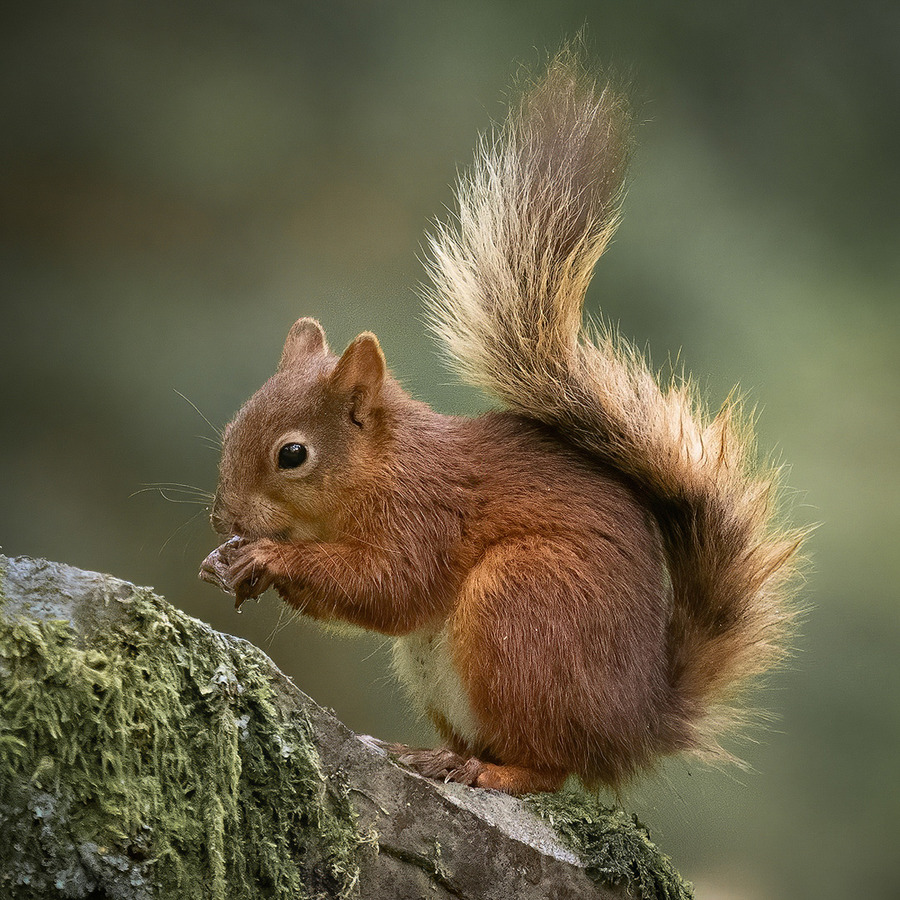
(447, 765)
(518, 779)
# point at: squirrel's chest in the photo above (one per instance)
(423, 662)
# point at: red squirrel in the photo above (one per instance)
(575, 584)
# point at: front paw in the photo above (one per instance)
(214, 568)
(254, 568)
(243, 568)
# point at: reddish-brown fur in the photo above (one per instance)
(600, 562)
(548, 570)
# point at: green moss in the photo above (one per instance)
(158, 761)
(614, 847)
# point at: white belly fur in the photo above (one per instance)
(423, 662)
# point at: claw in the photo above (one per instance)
(382, 747)
(467, 773)
(442, 764)
(214, 569)
(241, 577)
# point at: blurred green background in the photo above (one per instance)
(180, 181)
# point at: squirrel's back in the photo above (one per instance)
(536, 211)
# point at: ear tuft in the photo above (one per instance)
(359, 374)
(305, 339)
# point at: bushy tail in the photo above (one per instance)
(536, 211)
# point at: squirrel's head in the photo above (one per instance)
(310, 439)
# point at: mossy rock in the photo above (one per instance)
(144, 755)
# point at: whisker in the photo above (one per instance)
(190, 494)
(180, 528)
(217, 431)
(213, 445)
(177, 484)
(190, 501)
(279, 627)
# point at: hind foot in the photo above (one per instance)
(446, 765)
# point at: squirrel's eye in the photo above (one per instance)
(290, 456)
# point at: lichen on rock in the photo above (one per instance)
(614, 846)
(150, 757)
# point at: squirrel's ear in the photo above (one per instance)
(306, 338)
(359, 374)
